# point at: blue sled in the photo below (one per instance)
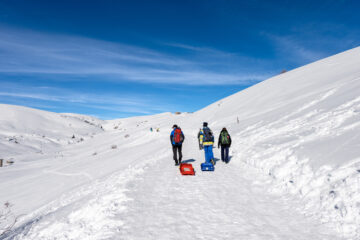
(207, 167)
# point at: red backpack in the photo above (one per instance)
(177, 135)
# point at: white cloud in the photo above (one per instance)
(28, 52)
(127, 103)
(294, 50)
(203, 50)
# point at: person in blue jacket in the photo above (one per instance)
(177, 138)
(208, 142)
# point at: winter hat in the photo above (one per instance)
(205, 124)
(224, 129)
(175, 126)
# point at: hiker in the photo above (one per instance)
(225, 143)
(208, 141)
(177, 138)
(201, 138)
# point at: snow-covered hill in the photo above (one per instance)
(24, 130)
(295, 152)
(302, 128)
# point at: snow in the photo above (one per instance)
(294, 171)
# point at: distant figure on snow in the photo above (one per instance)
(177, 138)
(208, 141)
(151, 129)
(225, 143)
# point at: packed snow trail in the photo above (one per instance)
(153, 201)
(225, 204)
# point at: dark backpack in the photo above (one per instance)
(225, 138)
(208, 137)
(177, 136)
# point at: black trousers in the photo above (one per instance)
(177, 149)
(225, 153)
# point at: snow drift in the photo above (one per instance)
(300, 128)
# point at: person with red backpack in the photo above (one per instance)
(177, 138)
(225, 143)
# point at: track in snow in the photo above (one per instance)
(225, 204)
(153, 201)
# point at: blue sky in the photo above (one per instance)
(114, 59)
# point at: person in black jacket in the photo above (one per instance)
(177, 138)
(225, 143)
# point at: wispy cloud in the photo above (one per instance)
(202, 50)
(35, 58)
(311, 42)
(27, 52)
(56, 97)
(293, 50)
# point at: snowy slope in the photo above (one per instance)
(25, 130)
(303, 129)
(295, 152)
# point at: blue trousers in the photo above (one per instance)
(208, 153)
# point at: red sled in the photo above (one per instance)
(187, 169)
